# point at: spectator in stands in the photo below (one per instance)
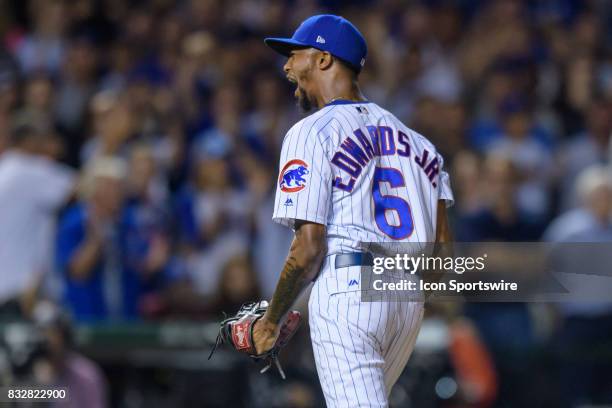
(585, 149)
(38, 97)
(32, 189)
(214, 220)
(502, 220)
(88, 246)
(61, 366)
(105, 252)
(44, 46)
(148, 247)
(112, 126)
(585, 325)
(237, 285)
(78, 83)
(593, 190)
(519, 142)
(146, 186)
(226, 133)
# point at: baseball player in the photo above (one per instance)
(351, 172)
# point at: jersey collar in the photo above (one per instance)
(346, 102)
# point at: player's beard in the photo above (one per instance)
(304, 101)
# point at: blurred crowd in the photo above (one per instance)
(139, 142)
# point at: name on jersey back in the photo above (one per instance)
(354, 155)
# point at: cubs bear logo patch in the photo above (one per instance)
(291, 179)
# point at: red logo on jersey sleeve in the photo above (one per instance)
(291, 179)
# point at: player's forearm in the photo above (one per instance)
(302, 266)
(443, 231)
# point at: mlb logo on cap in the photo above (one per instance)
(326, 32)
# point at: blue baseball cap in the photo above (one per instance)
(326, 32)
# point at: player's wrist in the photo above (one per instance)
(266, 324)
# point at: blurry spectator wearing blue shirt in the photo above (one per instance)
(148, 246)
(102, 251)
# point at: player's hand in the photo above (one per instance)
(250, 331)
(265, 334)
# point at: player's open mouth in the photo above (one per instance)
(297, 87)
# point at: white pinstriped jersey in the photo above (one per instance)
(357, 169)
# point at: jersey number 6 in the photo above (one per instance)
(384, 203)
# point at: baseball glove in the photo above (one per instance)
(237, 331)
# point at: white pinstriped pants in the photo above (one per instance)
(360, 348)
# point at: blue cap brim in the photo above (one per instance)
(284, 46)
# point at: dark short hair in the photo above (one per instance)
(349, 67)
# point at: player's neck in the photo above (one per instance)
(339, 89)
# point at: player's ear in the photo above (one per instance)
(324, 60)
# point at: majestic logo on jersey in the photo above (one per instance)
(291, 178)
(289, 203)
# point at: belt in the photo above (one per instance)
(353, 259)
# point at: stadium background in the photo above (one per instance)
(171, 115)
